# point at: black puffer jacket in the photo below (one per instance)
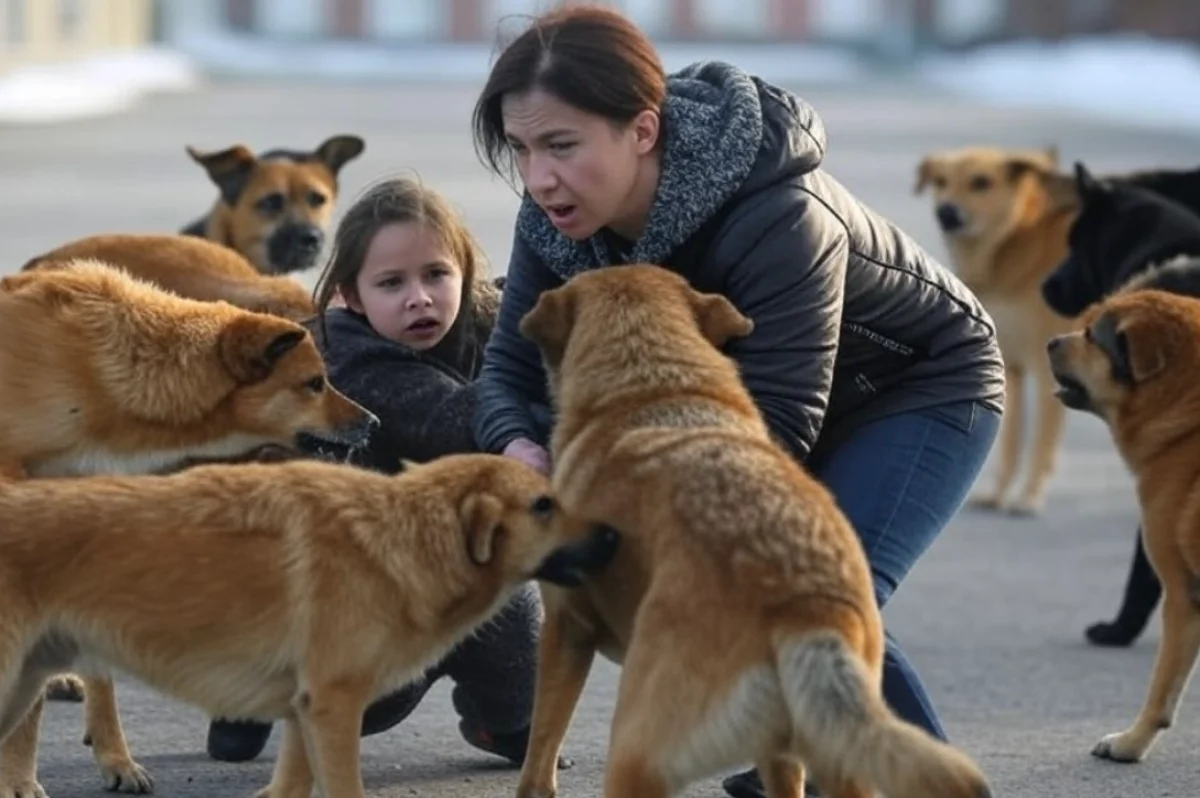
(853, 319)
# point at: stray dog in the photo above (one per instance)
(1128, 236)
(297, 591)
(190, 267)
(109, 374)
(657, 436)
(1134, 364)
(1004, 216)
(1122, 230)
(274, 208)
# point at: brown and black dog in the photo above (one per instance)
(1133, 362)
(274, 208)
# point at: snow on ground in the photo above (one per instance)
(1129, 79)
(93, 85)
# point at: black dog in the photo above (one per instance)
(1141, 230)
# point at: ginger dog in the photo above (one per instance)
(740, 603)
(191, 267)
(298, 591)
(1004, 216)
(1133, 362)
(108, 374)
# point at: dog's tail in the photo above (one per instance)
(849, 734)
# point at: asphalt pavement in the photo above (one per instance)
(993, 616)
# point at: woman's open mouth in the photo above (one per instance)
(561, 215)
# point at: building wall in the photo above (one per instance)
(34, 31)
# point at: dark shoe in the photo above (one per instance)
(237, 741)
(510, 745)
(747, 784)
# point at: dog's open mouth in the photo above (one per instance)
(337, 444)
(1071, 392)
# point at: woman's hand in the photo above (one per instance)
(529, 453)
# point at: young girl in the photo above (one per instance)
(406, 341)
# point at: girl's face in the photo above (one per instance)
(410, 287)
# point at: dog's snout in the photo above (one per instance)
(309, 238)
(949, 216)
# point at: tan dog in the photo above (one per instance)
(274, 208)
(297, 591)
(740, 603)
(191, 267)
(1005, 216)
(108, 374)
(1133, 362)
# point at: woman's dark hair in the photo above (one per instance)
(397, 200)
(588, 56)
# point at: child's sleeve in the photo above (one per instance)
(424, 412)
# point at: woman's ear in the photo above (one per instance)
(646, 126)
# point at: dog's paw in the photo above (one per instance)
(21, 789)
(126, 776)
(1025, 507)
(985, 501)
(65, 688)
(1119, 747)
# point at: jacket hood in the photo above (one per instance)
(727, 133)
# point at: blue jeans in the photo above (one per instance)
(900, 480)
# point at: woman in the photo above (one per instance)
(873, 364)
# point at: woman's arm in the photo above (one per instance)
(512, 378)
(785, 260)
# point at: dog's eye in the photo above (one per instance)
(939, 183)
(316, 199)
(543, 505)
(316, 384)
(271, 203)
(980, 183)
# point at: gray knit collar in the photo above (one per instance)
(714, 129)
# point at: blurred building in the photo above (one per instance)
(40, 31)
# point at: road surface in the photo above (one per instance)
(993, 616)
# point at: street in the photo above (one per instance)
(993, 616)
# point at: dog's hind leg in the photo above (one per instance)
(19, 734)
(782, 777)
(1047, 440)
(109, 748)
(565, 655)
(330, 711)
(1012, 433)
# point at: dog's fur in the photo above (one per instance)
(657, 435)
(1122, 230)
(1004, 216)
(108, 374)
(297, 591)
(274, 208)
(190, 267)
(1134, 363)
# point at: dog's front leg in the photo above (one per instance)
(1173, 667)
(565, 654)
(330, 714)
(109, 748)
(1012, 434)
(18, 751)
(293, 776)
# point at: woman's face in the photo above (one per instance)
(410, 287)
(580, 168)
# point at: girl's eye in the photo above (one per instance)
(561, 147)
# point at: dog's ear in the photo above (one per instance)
(548, 323)
(1052, 154)
(1023, 163)
(1086, 183)
(251, 346)
(482, 515)
(1061, 190)
(229, 169)
(335, 151)
(1133, 348)
(925, 173)
(719, 319)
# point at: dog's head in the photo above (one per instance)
(278, 205)
(1121, 231)
(512, 526)
(282, 392)
(983, 192)
(630, 314)
(1131, 361)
